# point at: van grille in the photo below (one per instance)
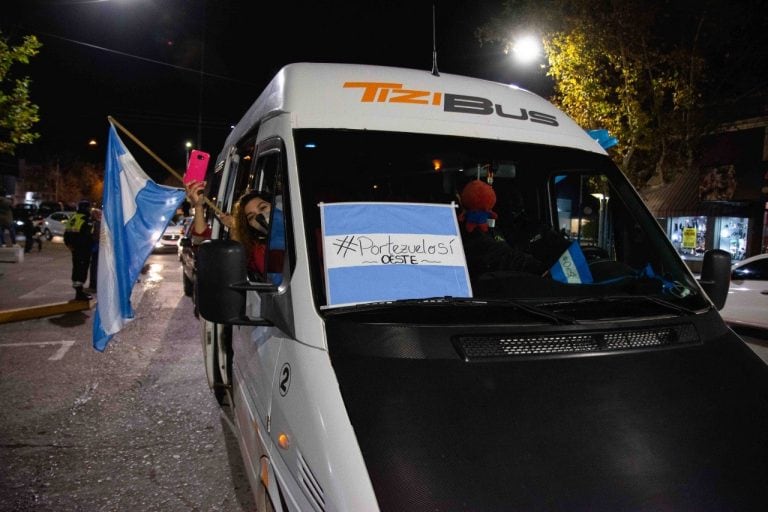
(474, 348)
(311, 486)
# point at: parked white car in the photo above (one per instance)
(168, 241)
(55, 224)
(747, 303)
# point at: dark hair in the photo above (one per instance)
(243, 232)
(84, 206)
(266, 196)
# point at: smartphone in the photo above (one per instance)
(197, 166)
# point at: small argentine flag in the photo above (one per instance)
(603, 138)
(572, 267)
(376, 252)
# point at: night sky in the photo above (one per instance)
(140, 60)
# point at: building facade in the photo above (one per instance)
(723, 203)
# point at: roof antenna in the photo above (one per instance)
(434, 44)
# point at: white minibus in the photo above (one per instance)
(410, 344)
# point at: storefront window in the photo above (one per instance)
(688, 235)
(731, 236)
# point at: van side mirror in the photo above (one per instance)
(222, 283)
(716, 275)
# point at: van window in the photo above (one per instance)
(547, 198)
(268, 177)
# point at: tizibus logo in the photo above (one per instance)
(388, 92)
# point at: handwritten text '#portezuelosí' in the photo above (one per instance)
(387, 250)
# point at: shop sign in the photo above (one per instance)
(689, 238)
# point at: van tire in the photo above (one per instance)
(48, 234)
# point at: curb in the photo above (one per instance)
(58, 308)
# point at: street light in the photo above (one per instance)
(526, 49)
(188, 148)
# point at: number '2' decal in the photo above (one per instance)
(285, 379)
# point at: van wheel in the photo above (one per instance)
(48, 235)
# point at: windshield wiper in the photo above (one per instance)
(556, 318)
(633, 298)
(668, 304)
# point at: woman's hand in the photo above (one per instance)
(227, 219)
(195, 192)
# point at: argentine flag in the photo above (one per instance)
(572, 267)
(134, 209)
(390, 251)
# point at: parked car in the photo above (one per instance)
(187, 256)
(747, 303)
(55, 224)
(22, 212)
(184, 223)
(169, 240)
(48, 207)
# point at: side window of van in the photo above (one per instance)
(582, 210)
(212, 188)
(244, 174)
(590, 210)
(269, 178)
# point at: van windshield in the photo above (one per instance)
(551, 233)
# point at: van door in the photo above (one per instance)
(223, 189)
(256, 349)
(217, 347)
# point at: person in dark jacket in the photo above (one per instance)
(93, 273)
(6, 220)
(32, 235)
(485, 254)
(78, 237)
(525, 232)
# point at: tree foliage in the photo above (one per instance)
(651, 72)
(67, 181)
(17, 113)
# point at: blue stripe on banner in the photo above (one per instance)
(395, 283)
(365, 218)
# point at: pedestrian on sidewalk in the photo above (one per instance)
(6, 219)
(32, 235)
(78, 237)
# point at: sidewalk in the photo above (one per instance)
(40, 285)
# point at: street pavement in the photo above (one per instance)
(42, 278)
(132, 428)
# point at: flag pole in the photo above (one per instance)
(167, 167)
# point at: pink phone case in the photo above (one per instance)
(197, 166)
